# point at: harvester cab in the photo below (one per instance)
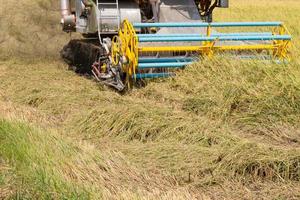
(154, 38)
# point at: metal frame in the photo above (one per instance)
(276, 43)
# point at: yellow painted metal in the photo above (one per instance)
(103, 68)
(115, 50)
(246, 47)
(170, 49)
(208, 50)
(129, 44)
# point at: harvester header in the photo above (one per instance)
(139, 55)
(153, 45)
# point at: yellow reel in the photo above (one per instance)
(115, 50)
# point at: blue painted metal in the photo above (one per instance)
(245, 24)
(221, 38)
(213, 35)
(163, 65)
(167, 59)
(153, 75)
(254, 38)
(201, 24)
(176, 39)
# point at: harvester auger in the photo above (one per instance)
(155, 38)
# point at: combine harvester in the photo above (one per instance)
(154, 38)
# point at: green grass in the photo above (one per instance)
(221, 129)
(32, 154)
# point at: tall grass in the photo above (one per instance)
(33, 159)
(46, 166)
(30, 30)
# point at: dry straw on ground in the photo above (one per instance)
(221, 129)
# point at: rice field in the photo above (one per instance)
(221, 129)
